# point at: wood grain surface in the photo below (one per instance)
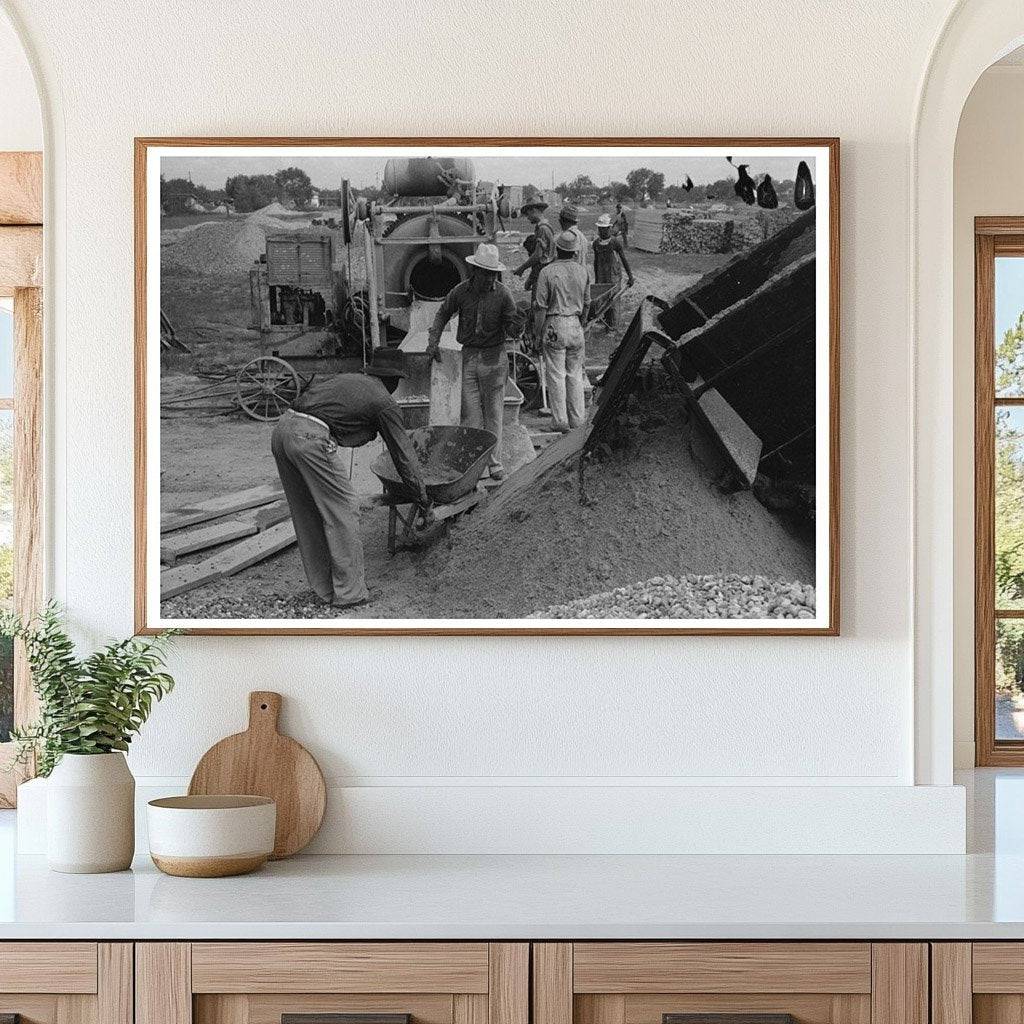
(262, 762)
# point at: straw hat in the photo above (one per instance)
(486, 258)
(604, 221)
(569, 213)
(536, 203)
(568, 241)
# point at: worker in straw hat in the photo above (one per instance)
(560, 311)
(569, 221)
(313, 447)
(541, 248)
(609, 262)
(486, 314)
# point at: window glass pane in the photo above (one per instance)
(1009, 532)
(6, 349)
(6, 567)
(1009, 321)
(1009, 679)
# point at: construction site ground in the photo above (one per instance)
(653, 508)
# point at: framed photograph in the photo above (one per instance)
(487, 386)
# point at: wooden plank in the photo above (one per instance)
(76, 1009)
(163, 983)
(339, 967)
(21, 258)
(184, 542)
(273, 514)
(21, 188)
(740, 445)
(552, 983)
(951, 983)
(523, 479)
(66, 967)
(851, 1009)
(224, 505)
(899, 983)
(998, 967)
(232, 559)
(508, 990)
(115, 983)
(722, 967)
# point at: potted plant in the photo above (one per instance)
(89, 710)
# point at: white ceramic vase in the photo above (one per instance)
(90, 814)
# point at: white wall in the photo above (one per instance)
(395, 713)
(987, 182)
(21, 124)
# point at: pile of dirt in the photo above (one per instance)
(652, 512)
(222, 246)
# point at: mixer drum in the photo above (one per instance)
(426, 271)
(425, 175)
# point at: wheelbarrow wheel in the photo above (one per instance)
(266, 388)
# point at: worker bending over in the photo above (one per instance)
(541, 250)
(609, 262)
(312, 445)
(486, 314)
(560, 310)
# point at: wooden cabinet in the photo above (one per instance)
(980, 982)
(259, 982)
(66, 982)
(815, 982)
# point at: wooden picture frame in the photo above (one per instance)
(21, 272)
(147, 617)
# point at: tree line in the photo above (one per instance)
(644, 183)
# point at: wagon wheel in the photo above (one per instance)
(266, 388)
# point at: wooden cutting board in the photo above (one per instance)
(262, 762)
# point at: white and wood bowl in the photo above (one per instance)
(211, 836)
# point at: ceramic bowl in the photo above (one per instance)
(211, 836)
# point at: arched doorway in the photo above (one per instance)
(977, 33)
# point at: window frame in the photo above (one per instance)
(993, 237)
(21, 269)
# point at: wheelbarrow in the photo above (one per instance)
(451, 462)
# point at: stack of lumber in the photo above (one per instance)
(646, 230)
(229, 532)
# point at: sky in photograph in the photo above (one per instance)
(542, 171)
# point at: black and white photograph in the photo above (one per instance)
(456, 386)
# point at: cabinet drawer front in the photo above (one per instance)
(268, 1009)
(56, 967)
(339, 967)
(721, 967)
(998, 967)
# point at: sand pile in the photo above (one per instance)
(653, 513)
(222, 246)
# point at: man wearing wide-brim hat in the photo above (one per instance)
(542, 250)
(609, 262)
(569, 220)
(312, 445)
(560, 311)
(486, 312)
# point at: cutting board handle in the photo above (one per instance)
(264, 710)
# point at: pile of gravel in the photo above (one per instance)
(693, 597)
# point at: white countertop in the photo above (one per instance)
(532, 897)
(978, 896)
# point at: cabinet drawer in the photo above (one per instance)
(749, 982)
(261, 982)
(69, 967)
